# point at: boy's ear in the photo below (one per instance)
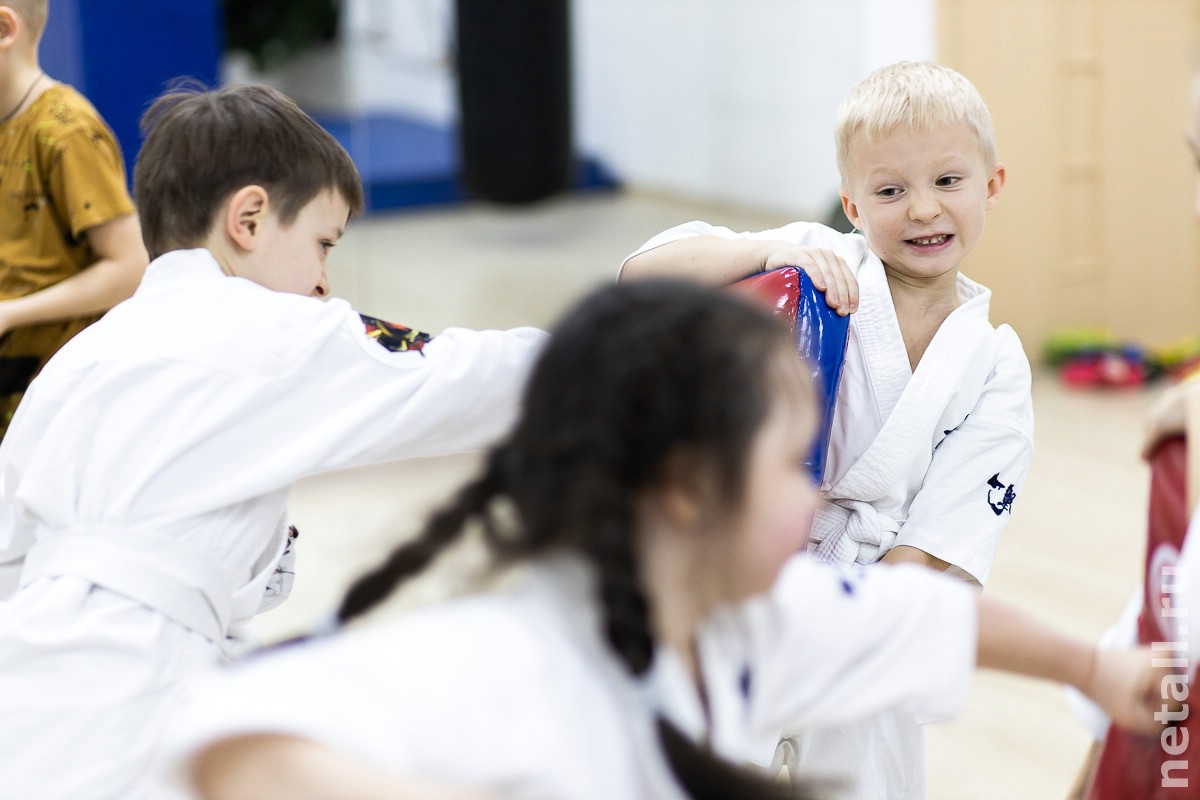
(244, 216)
(10, 26)
(850, 208)
(995, 184)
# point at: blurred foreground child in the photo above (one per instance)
(639, 514)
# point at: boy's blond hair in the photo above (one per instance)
(31, 12)
(914, 96)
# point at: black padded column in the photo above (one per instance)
(514, 89)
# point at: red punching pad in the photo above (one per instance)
(1165, 767)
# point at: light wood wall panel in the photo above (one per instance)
(1089, 97)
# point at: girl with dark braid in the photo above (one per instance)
(644, 643)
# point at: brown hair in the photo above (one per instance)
(203, 145)
(31, 12)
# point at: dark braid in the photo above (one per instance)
(634, 375)
(626, 610)
(442, 530)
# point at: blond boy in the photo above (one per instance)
(933, 425)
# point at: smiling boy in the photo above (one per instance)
(933, 425)
(148, 469)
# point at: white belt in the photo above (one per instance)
(184, 584)
(846, 535)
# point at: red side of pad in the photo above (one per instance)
(1132, 767)
(779, 290)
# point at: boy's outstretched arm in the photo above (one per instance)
(98, 287)
(1123, 682)
(718, 261)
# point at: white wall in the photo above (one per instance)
(392, 56)
(718, 99)
(896, 30)
(400, 54)
(732, 100)
(725, 100)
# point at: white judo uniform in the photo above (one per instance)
(525, 672)
(933, 458)
(144, 481)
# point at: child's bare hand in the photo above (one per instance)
(1168, 415)
(1130, 690)
(825, 269)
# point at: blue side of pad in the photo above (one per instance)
(821, 337)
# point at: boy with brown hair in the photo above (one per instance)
(70, 247)
(148, 469)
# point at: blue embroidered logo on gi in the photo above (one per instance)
(1001, 496)
(847, 580)
(946, 434)
(744, 681)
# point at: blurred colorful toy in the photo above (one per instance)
(1066, 344)
(1094, 357)
(1115, 368)
(1176, 359)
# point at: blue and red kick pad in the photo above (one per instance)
(820, 336)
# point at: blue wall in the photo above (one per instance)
(122, 53)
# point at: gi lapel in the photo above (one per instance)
(924, 397)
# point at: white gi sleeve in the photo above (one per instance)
(834, 644)
(460, 392)
(978, 470)
(328, 691)
(810, 234)
(471, 699)
(348, 401)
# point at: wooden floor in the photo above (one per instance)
(1072, 553)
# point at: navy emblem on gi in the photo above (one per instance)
(946, 434)
(1000, 495)
(744, 681)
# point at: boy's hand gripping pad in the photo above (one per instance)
(820, 336)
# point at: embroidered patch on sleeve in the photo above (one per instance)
(1001, 495)
(396, 338)
(849, 579)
